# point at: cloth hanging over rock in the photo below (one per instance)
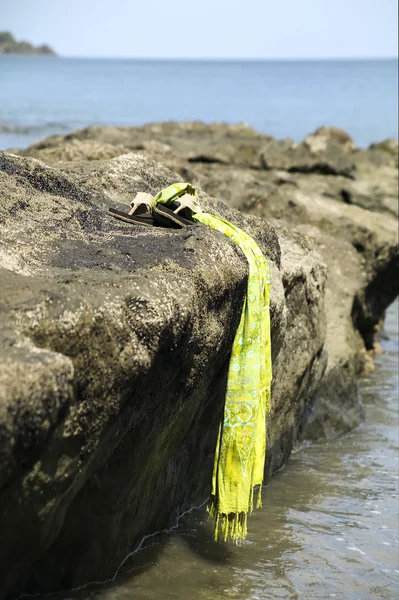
(241, 446)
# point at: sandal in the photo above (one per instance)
(140, 213)
(178, 212)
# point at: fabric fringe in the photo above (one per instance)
(232, 526)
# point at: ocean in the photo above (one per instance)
(42, 96)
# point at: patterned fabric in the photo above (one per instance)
(241, 447)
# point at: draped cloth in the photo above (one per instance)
(241, 446)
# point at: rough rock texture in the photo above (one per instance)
(114, 339)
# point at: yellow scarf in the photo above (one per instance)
(241, 447)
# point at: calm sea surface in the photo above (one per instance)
(40, 96)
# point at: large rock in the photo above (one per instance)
(115, 339)
(287, 155)
(302, 200)
(360, 250)
(368, 178)
(197, 143)
(222, 144)
(115, 344)
(348, 193)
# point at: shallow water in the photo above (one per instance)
(41, 96)
(328, 527)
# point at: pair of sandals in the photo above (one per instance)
(146, 210)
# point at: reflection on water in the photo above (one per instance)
(328, 527)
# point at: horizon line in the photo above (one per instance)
(216, 59)
(235, 59)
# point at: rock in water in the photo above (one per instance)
(115, 339)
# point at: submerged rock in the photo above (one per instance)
(115, 338)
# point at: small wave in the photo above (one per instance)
(356, 550)
(27, 129)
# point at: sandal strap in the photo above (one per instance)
(188, 201)
(141, 198)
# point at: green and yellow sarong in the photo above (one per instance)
(241, 447)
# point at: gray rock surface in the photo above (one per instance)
(115, 339)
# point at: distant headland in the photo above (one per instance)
(9, 45)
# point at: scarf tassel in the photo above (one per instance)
(232, 526)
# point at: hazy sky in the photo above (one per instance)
(207, 28)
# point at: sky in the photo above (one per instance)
(262, 29)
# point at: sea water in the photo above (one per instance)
(40, 96)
